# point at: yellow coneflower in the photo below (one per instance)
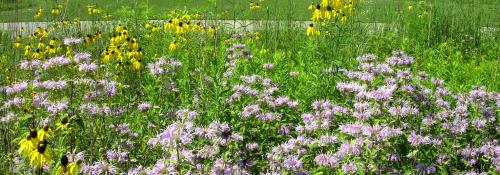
(317, 14)
(45, 133)
(257, 35)
(98, 34)
(426, 13)
(76, 20)
(156, 29)
(36, 54)
(148, 26)
(28, 144)
(133, 44)
(89, 9)
(135, 64)
(88, 39)
(254, 5)
(197, 27)
(337, 4)
(180, 28)
(173, 46)
(170, 25)
(324, 3)
(211, 31)
(67, 168)
(51, 49)
(410, 7)
(311, 6)
(40, 45)
(187, 26)
(93, 10)
(52, 41)
(41, 32)
(41, 156)
(17, 44)
(27, 49)
(62, 125)
(343, 18)
(328, 13)
(186, 17)
(351, 7)
(55, 10)
(69, 52)
(311, 31)
(39, 13)
(107, 15)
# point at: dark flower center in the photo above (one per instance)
(64, 160)
(41, 148)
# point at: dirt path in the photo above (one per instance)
(13, 29)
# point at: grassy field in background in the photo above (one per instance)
(483, 12)
(453, 22)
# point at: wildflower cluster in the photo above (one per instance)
(123, 50)
(388, 108)
(116, 101)
(329, 11)
(256, 5)
(420, 8)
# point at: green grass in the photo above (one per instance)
(483, 12)
(158, 9)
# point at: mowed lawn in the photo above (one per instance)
(373, 10)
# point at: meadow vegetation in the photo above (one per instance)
(363, 87)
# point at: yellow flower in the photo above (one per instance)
(254, 6)
(28, 144)
(39, 13)
(41, 156)
(55, 10)
(426, 13)
(44, 133)
(211, 31)
(17, 45)
(173, 46)
(93, 10)
(186, 17)
(98, 34)
(337, 4)
(317, 15)
(328, 13)
(69, 169)
(324, 3)
(107, 15)
(62, 124)
(186, 26)
(343, 19)
(197, 27)
(257, 35)
(69, 52)
(181, 28)
(88, 39)
(311, 31)
(410, 7)
(170, 26)
(136, 64)
(132, 43)
(311, 6)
